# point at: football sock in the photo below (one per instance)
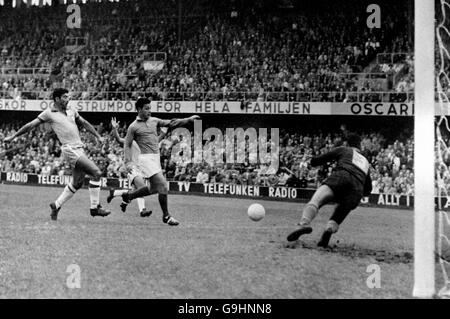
(141, 203)
(119, 192)
(333, 226)
(141, 192)
(309, 213)
(67, 194)
(163, 203)
(340, 213)
(94, 192)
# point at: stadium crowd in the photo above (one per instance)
(392, 161)
(254, 53)
(321, 51)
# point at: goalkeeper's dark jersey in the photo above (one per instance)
(347, 158)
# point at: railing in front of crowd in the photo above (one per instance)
(19, 72)
(142, 55)
(392, 58)
(75, 41)
(378, 80)
(154, 56)
(363, 75)
(220, 96)
(46, 68)
(92, 18)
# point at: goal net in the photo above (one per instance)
(442, 150)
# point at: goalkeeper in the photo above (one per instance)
(346, 186)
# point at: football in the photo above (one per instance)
(256, 212)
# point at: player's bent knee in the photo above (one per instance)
(323, 195)
(313, 204)
(77, 184)
(162, 189)
(96, 174)
(138, 182)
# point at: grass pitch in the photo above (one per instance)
(216, 251)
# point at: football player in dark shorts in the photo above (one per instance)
(346, 186)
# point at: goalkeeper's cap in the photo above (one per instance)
(141, 101)
(354, 140)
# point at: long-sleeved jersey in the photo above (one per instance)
(351, 160)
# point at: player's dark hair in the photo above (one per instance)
(141, 102)
(59, 92)
(354, 140)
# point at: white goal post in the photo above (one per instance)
(424, 146)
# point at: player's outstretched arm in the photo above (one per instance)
(88, 126)
(326, 158)
(24, 129)
(15, 149)
(115, 125)
(181, 122)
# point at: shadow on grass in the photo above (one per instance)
(355, 251)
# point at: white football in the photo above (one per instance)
(256, 212)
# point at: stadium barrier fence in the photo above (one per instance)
(270, 96)
(217, 190)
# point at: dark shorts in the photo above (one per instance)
(347, 189)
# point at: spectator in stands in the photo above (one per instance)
(202, 177)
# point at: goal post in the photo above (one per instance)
(424, 149)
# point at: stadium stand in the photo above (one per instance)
(293, 55)
(314, 52)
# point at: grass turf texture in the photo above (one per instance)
(216, 252)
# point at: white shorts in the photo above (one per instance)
(71, 154)
(134, 171)
(150, 164)
(147, 166)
